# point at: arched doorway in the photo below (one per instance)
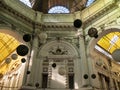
(58, 65)
(10, 61)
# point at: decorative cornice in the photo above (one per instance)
(98, 14)
(23, 18)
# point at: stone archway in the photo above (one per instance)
(93, 42)
(62, 55)
(14, 69)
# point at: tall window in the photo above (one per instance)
(58, 9)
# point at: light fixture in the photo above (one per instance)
(23, 60)
(14, 56)
(92, 32)
(85, 76)
(37, 84)
(77, 23)
(116, 55)
(54, 65)
(7, 60)
(22, 50)
(27, 37)
(28, 72)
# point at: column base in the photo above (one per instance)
(34, 88)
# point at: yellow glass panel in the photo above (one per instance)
(110, 42)
(8, 44)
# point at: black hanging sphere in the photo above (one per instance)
(28, 72)
(54, 65)
(93, 76)
(22, 50)
(96, 36)
(85, 76)
(27, 37)
(77, 23)
(92, 32)
(37, 85)
(23, 60)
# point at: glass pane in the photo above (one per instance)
(26, 2)
(89, 2)
(58, 9)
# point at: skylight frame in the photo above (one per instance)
(58, 10)
(26, 2)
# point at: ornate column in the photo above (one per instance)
(83, 58)
(77, 73)
(94, 81)
(33, 61)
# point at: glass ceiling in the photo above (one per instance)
(26, 2)
(89, 2)
(8, 45)
(59, 9)
(108, 43)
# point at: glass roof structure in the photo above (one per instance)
(59, 9)
(56, 9)
(89, 2)
(8, 45)
(108, 43)
(26, 2)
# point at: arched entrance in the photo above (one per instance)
(11, 68)
(58, 64)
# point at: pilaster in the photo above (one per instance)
(84, 62)
(33, 61)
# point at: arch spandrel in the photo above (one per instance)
(93, 42)
(55, 48)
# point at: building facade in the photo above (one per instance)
(61, 56)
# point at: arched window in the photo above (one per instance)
(108, 43)
(58, 9)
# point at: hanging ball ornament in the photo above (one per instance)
(23, 60)
(22, 50)
(27, 37)
(37, 84)
(92, 32)
(93, 76)
(61, 71)
(28, 72)
(77, 23)
(85, 76)
(14, 56)
(54, 65)
(116, 55)
(7, 60)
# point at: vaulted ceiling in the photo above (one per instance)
(45, 5)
